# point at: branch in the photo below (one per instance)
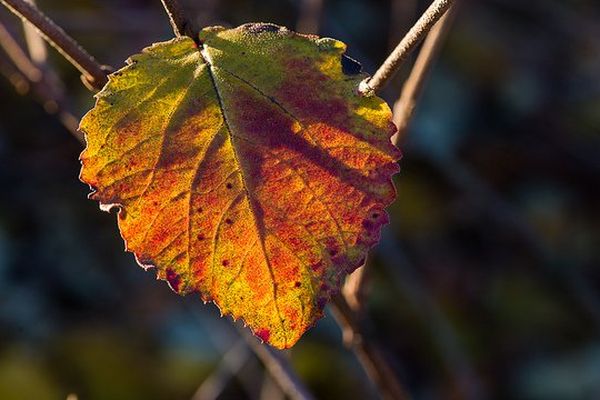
(27, 75)
(406, 45)
(182, 26)
(413, 87)
(93, 72)
(279, 368)
(368, 353)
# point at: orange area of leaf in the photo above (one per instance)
(248, 170)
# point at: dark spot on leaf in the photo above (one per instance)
(332, 252)
(228, 221)
(225, 263)
(229, 185)
(199, 210)
(297, 284)
(173, 279)
(350, 66)
(200, 237)
(375, 215)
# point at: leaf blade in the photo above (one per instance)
(248, 170)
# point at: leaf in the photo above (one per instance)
(247, 169)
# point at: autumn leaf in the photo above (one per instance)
(246, 168)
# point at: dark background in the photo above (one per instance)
(485, 285)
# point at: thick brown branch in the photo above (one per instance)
(93, 72)
(182, 25)
(405, 47)
(368, 352)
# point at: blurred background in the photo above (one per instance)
(486, 283)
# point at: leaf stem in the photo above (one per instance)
(405, 47)
(368, 352)
(182, 26)
(93, 72)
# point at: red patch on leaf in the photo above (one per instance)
(264, 334)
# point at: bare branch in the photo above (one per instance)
(279, 369)
(94, 73)
(182, 26)
(406, 45)
(413, 87)
(368, 352)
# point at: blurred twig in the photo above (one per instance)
(28, 76)
(439, 326)
(231, 362)
(504, 214)
(93, 72)
(182, 25)
(402, 13)
(414, 36)
(35, 44)
(279, 368)
(368, 352)
(16, 54)
(310, 16)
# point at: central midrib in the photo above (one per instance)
(208, 60)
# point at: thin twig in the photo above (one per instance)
(182, 26)
(413, 87)
(279, 369)
(406, 45)
(354, 290)
(368, 352)
(94, 73)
